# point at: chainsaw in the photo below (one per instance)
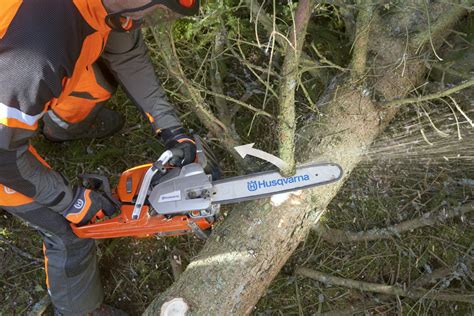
(158, 199)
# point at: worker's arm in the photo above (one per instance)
(22, 171)
(126, 56)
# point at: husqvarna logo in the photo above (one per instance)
(79, 204)
(252, 186)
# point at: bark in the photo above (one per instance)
(247, 250)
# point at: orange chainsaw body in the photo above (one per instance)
(147, 224)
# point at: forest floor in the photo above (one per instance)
(394, 184)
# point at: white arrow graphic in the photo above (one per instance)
(248, 149)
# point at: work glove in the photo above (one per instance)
(87, 206)
(180, 144)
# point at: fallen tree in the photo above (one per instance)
(247, 250)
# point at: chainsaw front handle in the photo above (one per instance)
(165, 158)
(158, 166)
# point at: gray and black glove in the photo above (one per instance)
(180, 144)
(87, 206)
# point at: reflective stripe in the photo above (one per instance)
(7, 113)
(46, 268)
(56, 119)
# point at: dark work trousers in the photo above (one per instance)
(72, 275)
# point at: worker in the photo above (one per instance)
(60, 61)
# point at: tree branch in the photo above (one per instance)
(228, 138)
(384, 289)
(360, 46)
(225, 113)
(435, 32)
(243, 104)
(335, 236)
(432, 96)
(290, 73)
(262, 18)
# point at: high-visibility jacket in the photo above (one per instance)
(47, 48)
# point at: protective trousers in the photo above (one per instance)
(72, 275)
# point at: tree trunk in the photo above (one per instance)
(247, 250)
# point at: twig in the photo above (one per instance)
(226, 135)
(19, 251)
(40, 307)
(335, 236)
(441, 273)
(243, 104)
(324, 60)
(353, 309)
(383, 288)
(432, 96)
(174, 67)
(429, 30)
(272, 29)
(468, 119)
(426, 279)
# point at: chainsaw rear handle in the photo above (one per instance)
(101, 184)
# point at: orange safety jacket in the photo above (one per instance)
(47, 48)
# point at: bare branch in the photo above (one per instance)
(243, 104)
(272, 30)
(385, 289)
(432, 96)
(360, 45)
(227, 137)
(335, 236)
(224, 112)
(287, 118)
